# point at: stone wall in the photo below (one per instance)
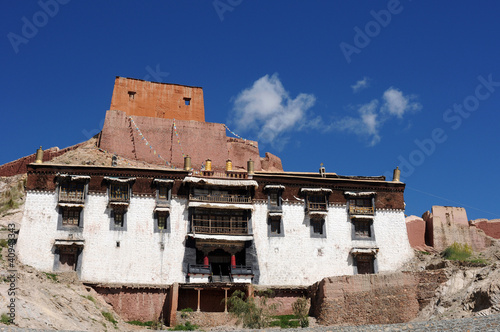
(158, 100)
(373, 298)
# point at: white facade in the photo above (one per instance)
(139, 255)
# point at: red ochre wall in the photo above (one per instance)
(415, 227)
(158, 100)
(199, 140)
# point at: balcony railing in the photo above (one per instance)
(200, 269)
(241, 270)
(313, 206)
(221, 198)
(227, 227)
(361, 210)
(225, 174)
(71, 196)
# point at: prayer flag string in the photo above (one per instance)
(244, 139)
(147, 142)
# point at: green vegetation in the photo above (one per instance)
(4, 243)
(285, 321)
(5, 319)
(301, 311)
(109, 317)
(187, 326)
(51, 276)
(254, 314)
(9, 199)
(184, 312)
(461, 252)
(90, 298)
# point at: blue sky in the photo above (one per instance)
(360, 86)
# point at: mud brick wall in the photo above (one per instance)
(365, 299)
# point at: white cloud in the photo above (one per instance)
(367, 124)
(361, 84)
(397, 104)
(268, 108)
(371, 118)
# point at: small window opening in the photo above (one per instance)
(117, 244)
(131, 95)
(187, 101)
(275, 226)
(119, 218)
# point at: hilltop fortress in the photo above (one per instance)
(214, 218)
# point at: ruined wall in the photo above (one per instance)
(199, 140)
(143, 304)
(489, 227)
(373, 298)
(158, 100)
(446, 225)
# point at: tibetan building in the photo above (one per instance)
(175, 233)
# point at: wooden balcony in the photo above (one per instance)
(364, 210)
(71, 197)
(313, 206)
(221, 198)
(218, 227)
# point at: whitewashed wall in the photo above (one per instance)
(38, 230)
(139, 259)
(294, 259)
(299, 259)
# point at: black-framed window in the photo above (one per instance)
(163, 193)
(365, 264)
(119, 192)
(362, 229)
(361, 205)
(70, 216)
(275, 226)
(72, 192)
(318, 227)
(162, 222)
(274, 198)
(119, 218)
(317, 202)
